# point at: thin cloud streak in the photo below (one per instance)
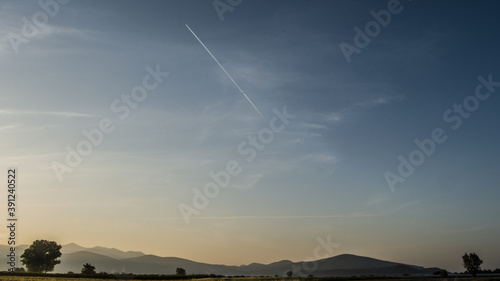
(53, 113)
(9, 127)
(30, 156)
(270, 217)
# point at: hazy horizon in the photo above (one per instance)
(374, 123)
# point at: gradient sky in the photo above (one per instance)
(323, 175)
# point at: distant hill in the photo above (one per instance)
(74, 262)
(73, 248)
(110, 252)
(19, 249)
(115, 261)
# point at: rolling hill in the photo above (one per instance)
(115, 261)
(110, 252)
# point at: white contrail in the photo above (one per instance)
(226, 72)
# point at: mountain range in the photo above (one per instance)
(116, 261)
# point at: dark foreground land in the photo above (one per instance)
(37, 278)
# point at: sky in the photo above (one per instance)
(117, 118)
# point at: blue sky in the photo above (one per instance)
(323, 175)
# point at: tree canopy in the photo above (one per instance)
(180, 271)
(41, 256)
(88, 269)
(472, 263)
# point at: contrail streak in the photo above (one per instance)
(234, 82)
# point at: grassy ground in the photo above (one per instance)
(29, 278)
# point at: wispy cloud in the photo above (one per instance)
(309, 125)
(341, 114)
(355, 215)
(29, 157)
(50, 113)
(9, 127)
(478, 228)
(12, 30)
(380, 100)
(320, 158)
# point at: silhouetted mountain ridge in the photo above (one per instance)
(116, 261)
(110, 252)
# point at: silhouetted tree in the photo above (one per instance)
(180, 271)
(88, 269)
(289, 274)
(472, 263)
(41, 256)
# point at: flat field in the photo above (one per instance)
(30, 278)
